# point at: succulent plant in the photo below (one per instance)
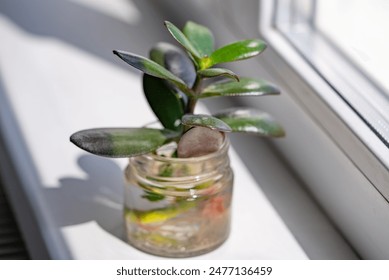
(173, 83)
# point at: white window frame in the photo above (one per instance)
(348, 80)
(352, 135)
(351, 139)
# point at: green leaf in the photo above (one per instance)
(153, 196)
(182, 39)
(175, 60)
(216, 72)
(245, 87)
(166, 104)
(121, 142)
(201, 38)
(151, 68)
(251, 121)
(206, 121)
(236, 51)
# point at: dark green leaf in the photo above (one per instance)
(215, 72)
(245, 87)
(153, 196)
(206, 121)
(151, 68)
(175, 60)
(121, 142)
(235, 51)
(181, 38)
(200, 37)
(251, 121)
(164, 101)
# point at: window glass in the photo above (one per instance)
(360, 29)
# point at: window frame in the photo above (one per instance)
(343, 163)
(347, 79)
(322, 102)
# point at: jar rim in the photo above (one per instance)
(223, 149)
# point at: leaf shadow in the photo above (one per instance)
(97, 197)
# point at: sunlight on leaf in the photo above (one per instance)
(121, 142)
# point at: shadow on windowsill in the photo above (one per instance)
(98, 197)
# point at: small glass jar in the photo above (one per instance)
(177, 207)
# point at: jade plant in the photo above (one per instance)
(174, 80)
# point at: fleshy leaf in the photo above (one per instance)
(205, 121)
(216, 72)
(151, 68)
(245, 87)
(175, 60)
(121, 142)
(164, 101)
(236, 51)
(182, 39)
(200, 37)
(251, 121)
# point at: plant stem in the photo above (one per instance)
(196, 85)
(191, 105)
(193, 100)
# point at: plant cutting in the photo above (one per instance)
(179, 181)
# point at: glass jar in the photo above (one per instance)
(177, 207)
